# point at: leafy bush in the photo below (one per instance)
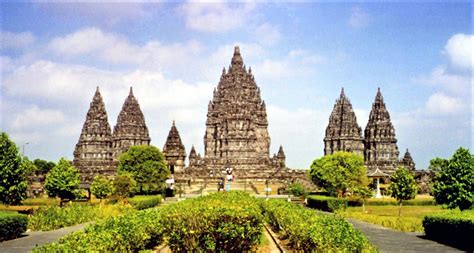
(143, 202)
(308, 231)
(128, 233)
(454, 227)
(221, 222)
(297, 189)
(12, 225)
(53, 217)
(328, 204)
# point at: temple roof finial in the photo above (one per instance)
(237, 58)
(342, 93)
(131, 91)
(174, 123)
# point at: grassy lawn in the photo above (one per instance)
(387, 216)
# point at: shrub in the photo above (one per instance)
(143, 202)
(297, 189)
(454, 227)
(221, 222)
(128, 233)
(308, 231)
(12, 225)
(328, 204)
(53, 217)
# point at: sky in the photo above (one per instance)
(54, 55)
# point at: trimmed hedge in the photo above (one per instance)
(53, 217)
(128, 233)
(328, 204)
(308, 231)
(221, 222)
(144, 202)
(12, 225)
(454, 227)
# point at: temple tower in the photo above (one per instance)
(131, 129)
(174, 151)
(381, 149)
(236, 127)
(408, 162)
(343, 133)
(93, 152)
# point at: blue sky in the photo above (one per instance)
(53, 55)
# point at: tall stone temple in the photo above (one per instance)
(237, 129)
(131, 129)
(379, 144)
(343, 133)
(97, 150)
(93, 152)
(174, 151)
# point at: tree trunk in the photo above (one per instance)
(400, 208)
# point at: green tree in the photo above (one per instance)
(338, 173)
(147, 166)
(363, 192)
(124, 185)
(297, 189)
(13, 183)
(454, 182)
(63, 181)
(101, 187)
(43, 166)
(403, 186)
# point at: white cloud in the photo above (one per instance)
(34, 117)
(440, 103)
(440, 77)
(359, 18)
(300, 131)
(460, 50)
(116, 49)
(216, 17)
(268, 33)
(11, 40)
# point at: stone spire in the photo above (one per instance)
(381, 149)
(131, 129)
(236, 127)
(343, 133)
(93, 153)
(174, 151)
(408, 162)
(192, 157)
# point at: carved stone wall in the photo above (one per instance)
(131, 129)
(174, 151)
(93, 153)
(343, 133)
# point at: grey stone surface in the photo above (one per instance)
(388, 240)
(37, 238)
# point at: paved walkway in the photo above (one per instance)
(38, 238)
(388, 240)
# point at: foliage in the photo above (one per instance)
(221, 222)
(363, 192)
(128, 233)
(13, 183)
(12, 225)
(43, 166)
(436, 164)
(147, 166)
(328, 204)
(339, 173)
(454, 227)
(101, 187)
(124, 185)
(403, 186)
(308, 231)
(143, 202)
(63, 181)
(297, 189)
(53, 217)
(454, 183)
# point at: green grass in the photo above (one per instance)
(387, 216)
